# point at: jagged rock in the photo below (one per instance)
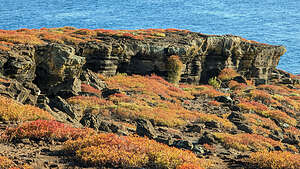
(165, 140)
(234, 108)
(63, 106)
(293, 140)
(92, 79)
(108, 127)
(197, 128)
(203, 57)
(20, 64)
(244, 127)
(198, 149)
(57, 63)
(107, 92)
(145, 128)
(207, 138)
(240, 79)
(25, 93)
(238, 119)
(184, 144)
(212, 124)
(90, 120)
(66, 89)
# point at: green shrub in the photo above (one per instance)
(174, 67)
(214, 82)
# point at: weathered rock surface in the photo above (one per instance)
(203, 57)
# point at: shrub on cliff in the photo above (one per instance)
(174, 67)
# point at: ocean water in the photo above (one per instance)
(269, 21)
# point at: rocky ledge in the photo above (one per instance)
(54, 82)
(51, 55)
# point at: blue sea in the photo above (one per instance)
(269, 21)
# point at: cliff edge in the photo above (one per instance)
(58, 53)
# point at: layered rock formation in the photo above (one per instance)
(203, 57)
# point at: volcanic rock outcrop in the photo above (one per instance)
(203, 57)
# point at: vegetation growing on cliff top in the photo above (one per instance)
(71, 35)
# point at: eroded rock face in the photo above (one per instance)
(203, 57)
(57, 63)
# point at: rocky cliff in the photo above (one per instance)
(51, 57)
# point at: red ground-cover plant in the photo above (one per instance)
(11, 110)
(130, 151)
(89, 89)
(45, 130)
(275, 159)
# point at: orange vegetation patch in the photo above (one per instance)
(260, 95)
(234, 85)
(11, 110)
(214, 103)
(252, 105)
(280, 116)
(246, 142)
(89, 89)
(130, 152)
(4, 80)
(275, 159)
(20, 37)
(6, 162)
(149, 97)
(227, 74)
(163, 113)
(71, 35)
(262, 122)
(153, 86)
(93, 103)
(44, 130)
